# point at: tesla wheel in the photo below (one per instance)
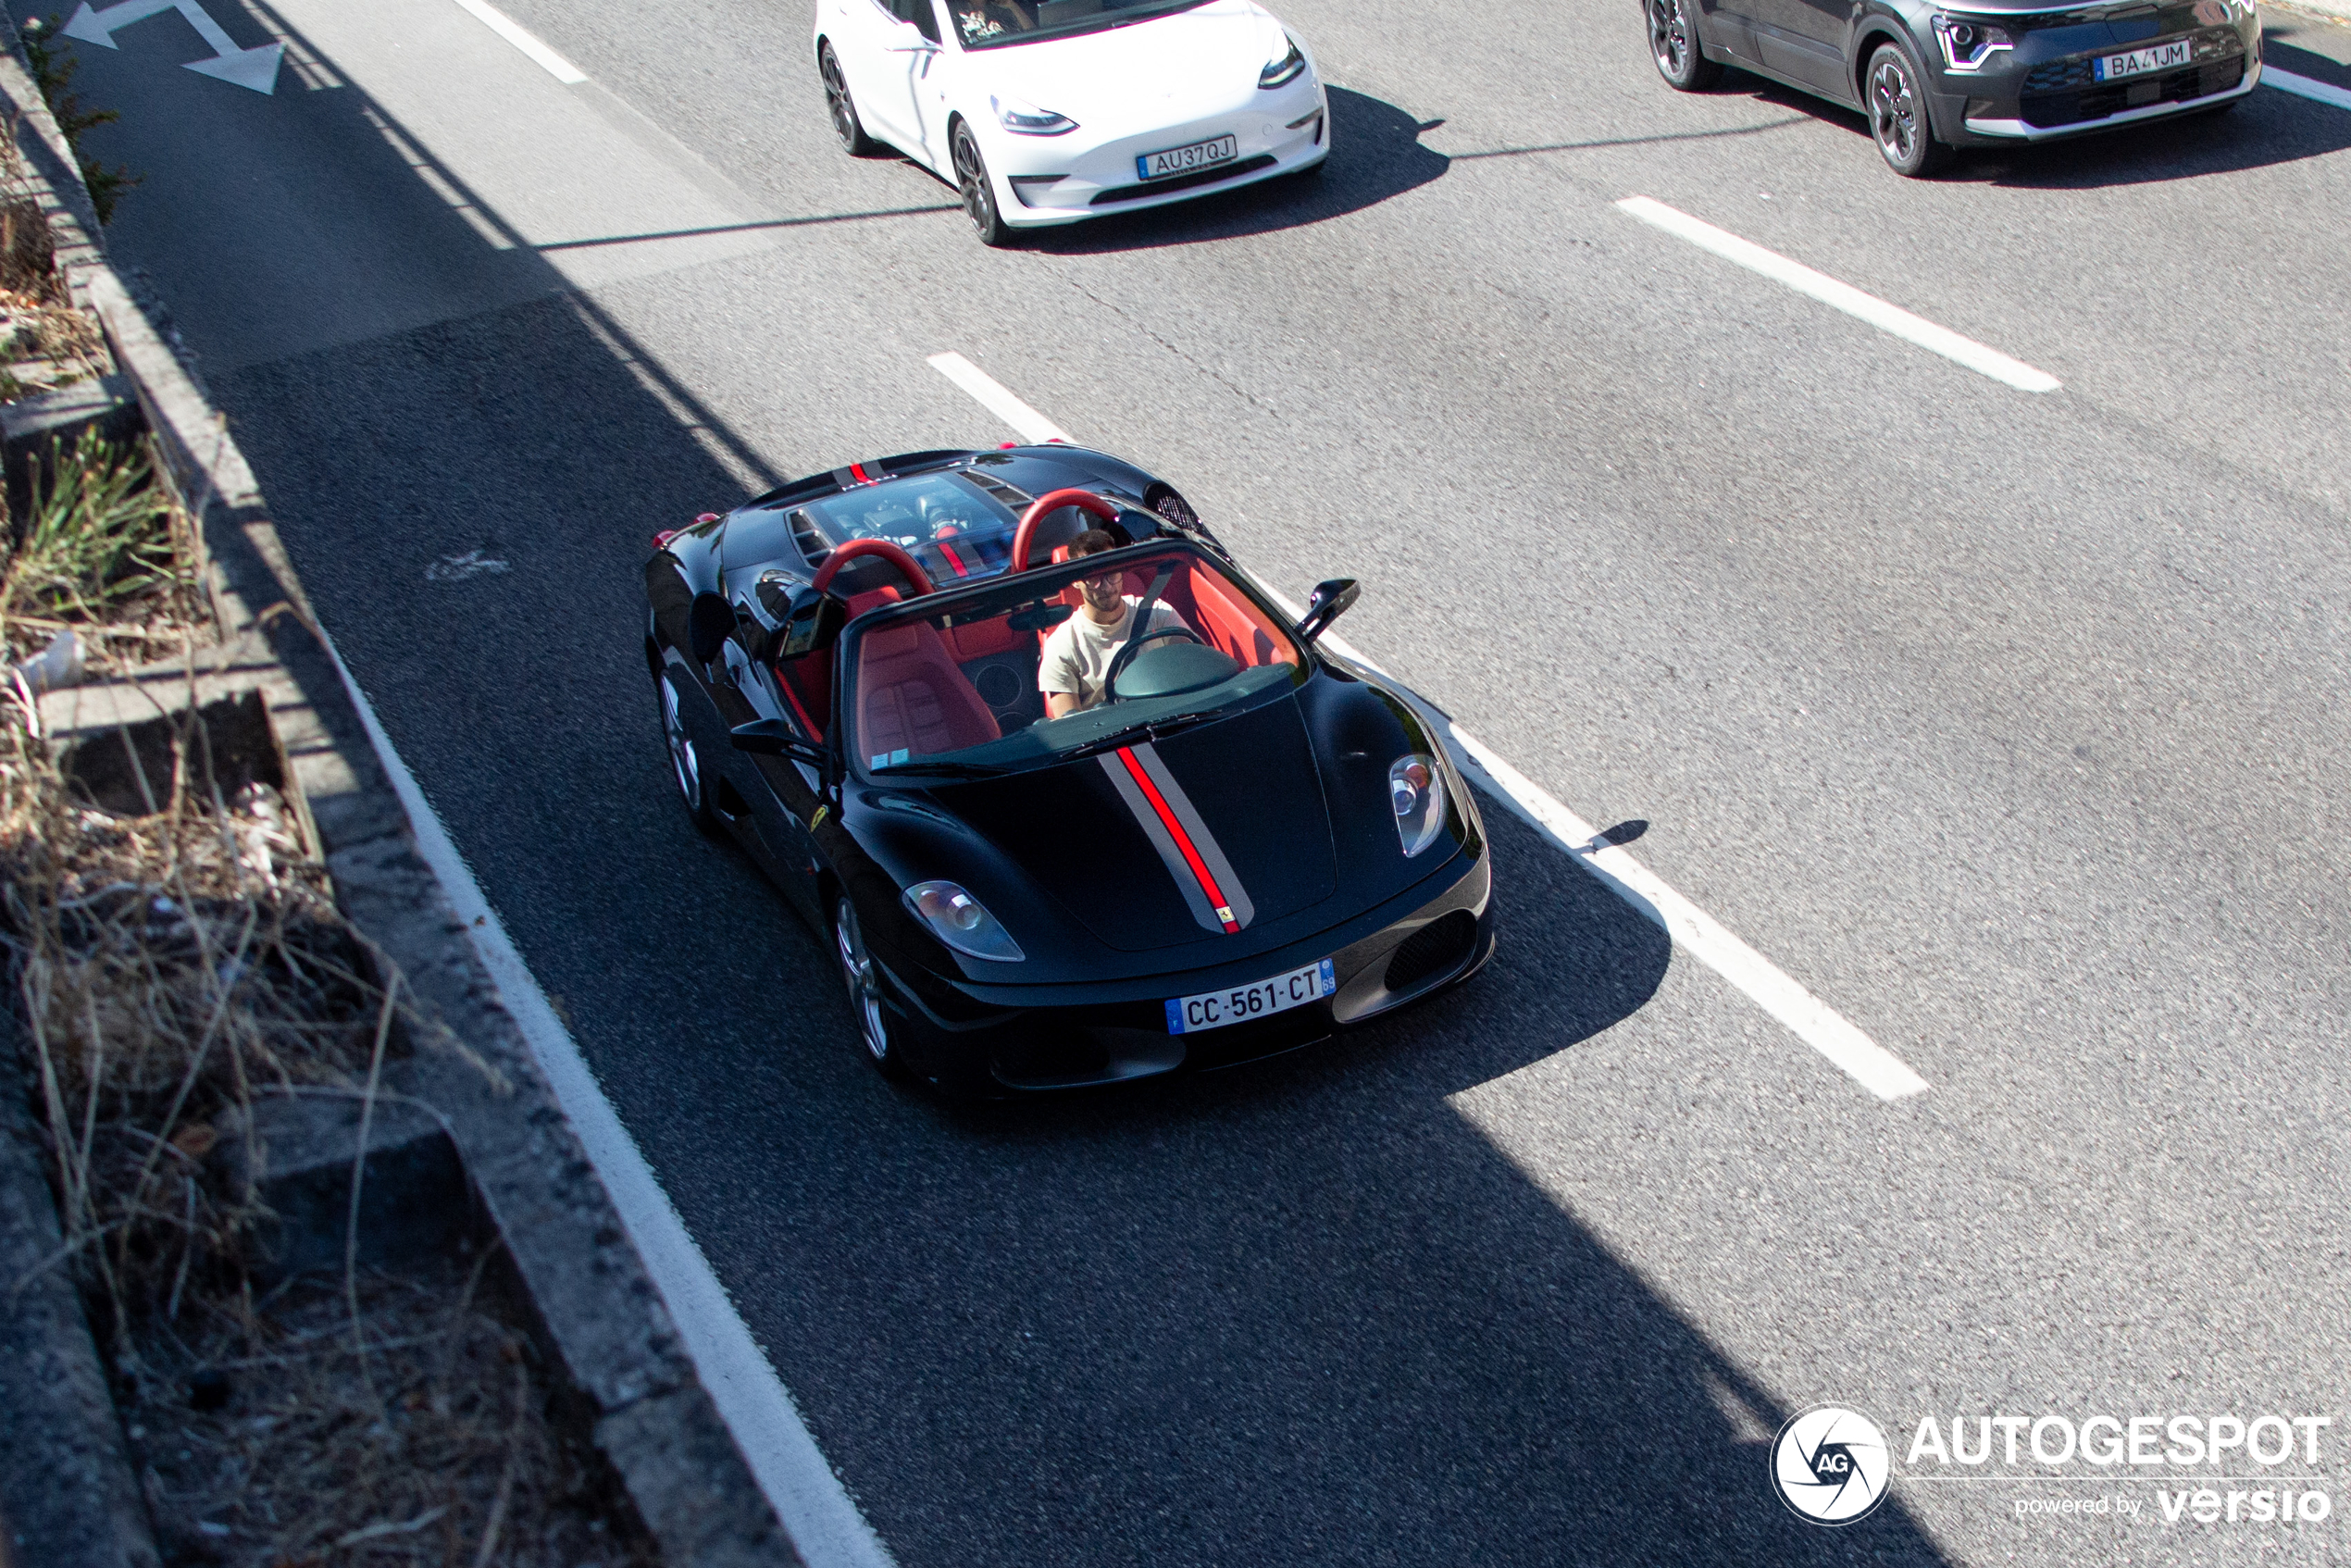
(979, 194)
(1897, 103)
(1674, 45)
(843, 108)
(863, 980)
(685, 759)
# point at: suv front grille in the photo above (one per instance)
(2172, 87)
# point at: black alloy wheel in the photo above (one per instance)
(863, 979)
(846, 125)
(979, 195)
(1674, 45)
(1897, 107)
(684, 760)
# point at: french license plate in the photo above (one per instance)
(1213, 1009)
(1182, 160)
(2138, 62)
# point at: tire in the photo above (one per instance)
(1894, 96)
(980, 193)
(843, 108)
(863, 977)
(685, 757)
(1673, 45)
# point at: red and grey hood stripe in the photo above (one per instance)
(1173, 824)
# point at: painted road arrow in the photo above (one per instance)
(256, 68)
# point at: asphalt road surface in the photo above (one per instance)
(2010, 725)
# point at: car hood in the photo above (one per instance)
(1108, 79)
(1129, 843)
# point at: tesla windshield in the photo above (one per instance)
(1060, 661)
(989, 24)
(953, 527)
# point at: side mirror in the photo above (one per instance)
(709, 619)
(1331, 599)
(813, 622)
(774, 738)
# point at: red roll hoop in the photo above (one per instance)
(1053, 501)
(908, 567)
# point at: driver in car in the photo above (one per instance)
(1075, 670)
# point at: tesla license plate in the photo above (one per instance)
(2138, 62)
(1183, 160)
(1213, 1009)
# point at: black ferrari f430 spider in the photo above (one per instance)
(1241, 842)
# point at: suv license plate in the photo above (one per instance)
(1183, 160)
(1213, 1009)
(2138, 62)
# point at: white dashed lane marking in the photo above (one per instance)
(514, 32)
(2306, 87)
(1698, 933)
(1885, 317)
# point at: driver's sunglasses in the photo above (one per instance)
(1106, 581)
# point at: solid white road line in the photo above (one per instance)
(514, 32)
(810, 1502)
(1695, 932)
(1842, 296)
(994, 396)
(2306, 87)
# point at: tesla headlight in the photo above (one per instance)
(1417, 791)
(1024, 118)
(956, 918)
(1969, 45)
(1283, 69)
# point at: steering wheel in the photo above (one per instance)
(908, 567)
(1053, 501)
(1126, 655)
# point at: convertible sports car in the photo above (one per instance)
(1245, 845)
(1047, 111)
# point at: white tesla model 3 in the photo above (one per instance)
(1050, 111)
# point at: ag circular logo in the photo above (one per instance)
(1831, 1465)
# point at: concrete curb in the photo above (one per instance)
(2325, 11)
(600, 1316)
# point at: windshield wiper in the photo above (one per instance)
(1151, 729)
(952, 769)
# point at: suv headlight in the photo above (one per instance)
(1968, 44)
(1416, 790)
(1024, 118)
(1285, 69)
(957, 918)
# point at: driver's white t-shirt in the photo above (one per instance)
(1077, 655)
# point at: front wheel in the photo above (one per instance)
(863, 976)
(1898, 122)
(1673, 45)
(980, 193)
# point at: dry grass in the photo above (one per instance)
(166, 970)
(102, 548)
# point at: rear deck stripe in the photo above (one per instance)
(1183, 840)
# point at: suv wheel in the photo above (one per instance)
(843, 108)
(979, 191)
(1894, 95)
(1673, 45)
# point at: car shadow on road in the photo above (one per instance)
(1375, 155)
(2267, 128)
(1304, 1312)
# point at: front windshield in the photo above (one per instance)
(949, 525)
(989, 24)
(1153, 635)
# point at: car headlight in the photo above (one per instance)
(1284, 70)
(1969, 45)
(957, 918)
(1024, 118)
(1416, 790)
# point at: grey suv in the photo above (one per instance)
(1931, 78)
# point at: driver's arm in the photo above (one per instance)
(1060, 704)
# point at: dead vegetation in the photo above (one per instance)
(169, 969)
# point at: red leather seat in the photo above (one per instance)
(912, 698)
